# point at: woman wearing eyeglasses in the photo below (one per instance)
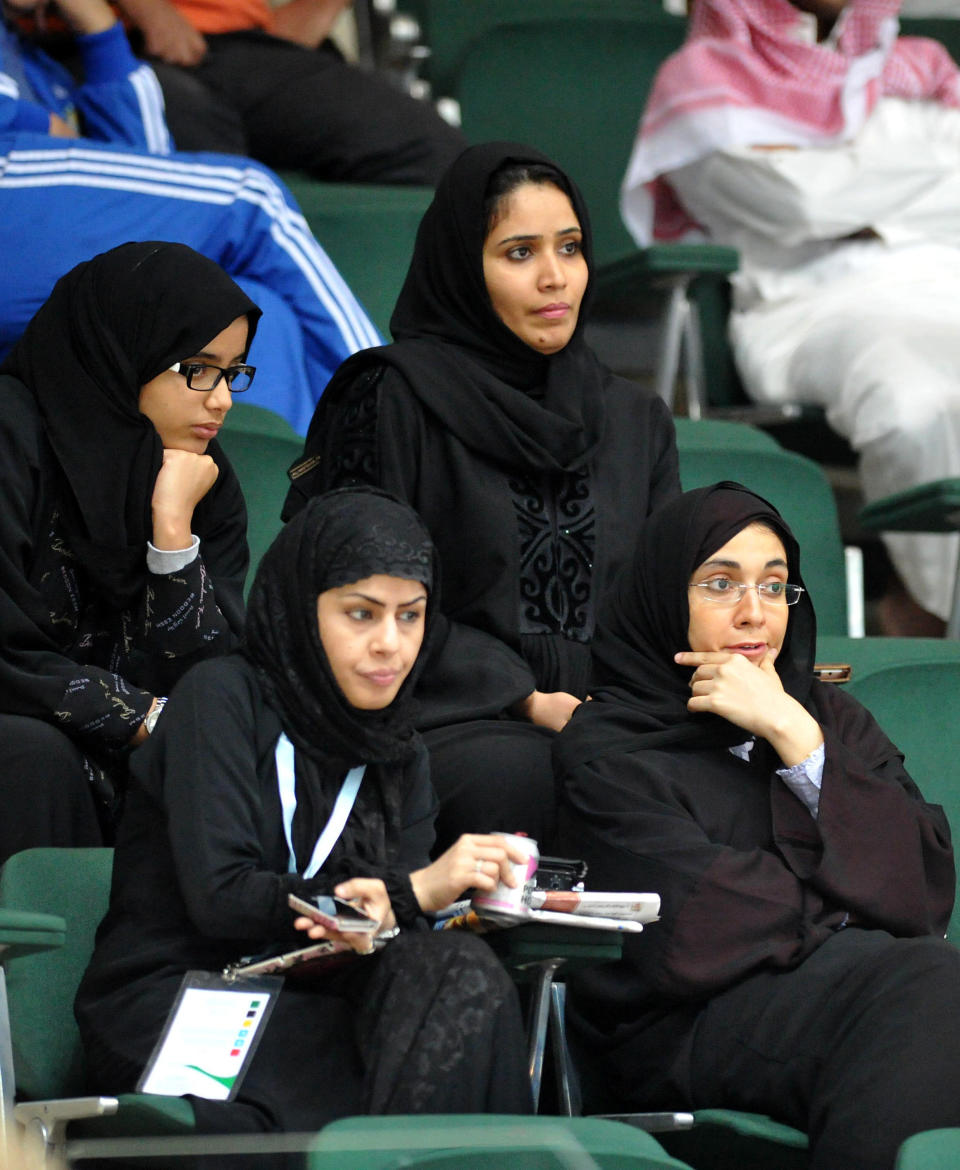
(122, 535)
(799, 968)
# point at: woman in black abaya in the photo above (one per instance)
(799, 967)
(123, 530)
(205, 862)
(531, 464)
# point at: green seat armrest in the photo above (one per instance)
(756, 1125)
(928, 507)
(140, 1115)
(696, 259)
(749, 1141)
(634, 276)
(24, 932)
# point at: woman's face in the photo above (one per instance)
(750, 627)
(185, 419)
(371, 631)
(534, 267)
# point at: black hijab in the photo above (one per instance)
(108, 327)
(499, 396)
(340, 537)
(640, 694)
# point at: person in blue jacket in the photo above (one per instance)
(87, 165)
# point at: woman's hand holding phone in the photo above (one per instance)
(368, 895)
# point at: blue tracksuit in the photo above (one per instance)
(63, 200)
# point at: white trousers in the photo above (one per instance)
(879, 350)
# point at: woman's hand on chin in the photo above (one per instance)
(547, 708)
(730, 685)
(182, 482)
(474, 861)
(751, 695)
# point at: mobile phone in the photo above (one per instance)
(835, 672)
(334, 914)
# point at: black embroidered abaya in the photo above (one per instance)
(88, 635)
(533, 474)
(798, 968)
(201, 877)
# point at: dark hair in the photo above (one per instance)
(507, 178)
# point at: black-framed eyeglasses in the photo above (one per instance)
(723, 591)
(206, 377)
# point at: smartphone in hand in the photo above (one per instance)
(334, 913)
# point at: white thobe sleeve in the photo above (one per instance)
(900, 177)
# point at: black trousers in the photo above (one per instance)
(292, 107)
(859, 1046)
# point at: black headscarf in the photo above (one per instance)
(640, 694)
(108, 327)
(498, 395)
(340, 537)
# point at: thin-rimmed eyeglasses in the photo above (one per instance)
(723, 591)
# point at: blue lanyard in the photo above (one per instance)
(288, 803)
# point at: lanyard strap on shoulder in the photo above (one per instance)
(346, 798)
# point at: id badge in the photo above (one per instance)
(210, 1036)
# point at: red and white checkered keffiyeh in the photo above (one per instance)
(744, 78)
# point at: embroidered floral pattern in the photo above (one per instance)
(557, 531)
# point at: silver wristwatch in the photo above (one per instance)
(151, 720)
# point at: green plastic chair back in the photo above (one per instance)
(799, 489)
(487, 1142)
(574, 87)
(714, 434)
(261, 446)
(47, 1053)
(918, 705)
(451, 27)
(73, 883)
(368, 232)
(247, 419)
